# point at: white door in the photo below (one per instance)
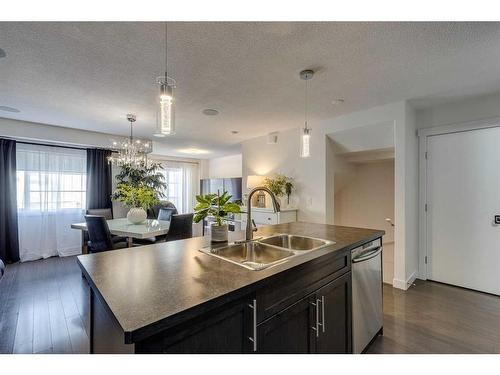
(463, 196)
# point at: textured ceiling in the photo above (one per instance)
(89, 75)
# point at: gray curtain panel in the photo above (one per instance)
(9, 242)
(99, 179)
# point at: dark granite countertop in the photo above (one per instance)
(162, 284)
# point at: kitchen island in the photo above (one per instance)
(172, 298)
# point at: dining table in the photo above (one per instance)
(122, 227)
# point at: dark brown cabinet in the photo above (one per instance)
(289, 331)
(226, 330)
(334, 316)
(319, 323)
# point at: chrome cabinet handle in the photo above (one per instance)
(316, 328)
(253, 339)
(323, 324)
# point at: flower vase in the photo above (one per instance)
(137, 215)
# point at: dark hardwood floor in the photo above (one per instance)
(44, 309)
(437, 318)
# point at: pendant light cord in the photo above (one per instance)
(306, 103)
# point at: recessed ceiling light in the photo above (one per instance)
(2, 53)
(9, 109)
(194, 151)
(210, 112)
(338, 101)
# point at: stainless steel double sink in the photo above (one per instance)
(266, 252)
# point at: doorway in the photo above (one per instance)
(364, 197)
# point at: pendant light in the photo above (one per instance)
(165, 117)
(305, 133)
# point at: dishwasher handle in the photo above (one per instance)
(367, 256)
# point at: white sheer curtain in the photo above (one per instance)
(183, 184)
(51, 184)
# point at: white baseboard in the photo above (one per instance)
(405, 284)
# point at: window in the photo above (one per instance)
(173, 192)
(49, 190)
(51, 195)
(182, 184)
(50, 178)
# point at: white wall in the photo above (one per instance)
(471, 109)
(406, 166)
(261, 158)
(222, 167)
(411, 195)
(314, 175)
(53, 134)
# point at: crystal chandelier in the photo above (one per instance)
(165, 116)
(131, 151)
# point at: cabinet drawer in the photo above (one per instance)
(265, 218)
(296, 283)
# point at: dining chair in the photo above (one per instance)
(181, 227)
(106, 212)
(100, 238)
(166, 213)
(154, 211)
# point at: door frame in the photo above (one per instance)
(423, 135)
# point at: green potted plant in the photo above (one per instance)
(139, 188)
(280, 185)
(138, 199)
(216, 206)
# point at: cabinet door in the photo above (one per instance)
(335, 316)
(265, 218)
(290, 331)
(226, 330)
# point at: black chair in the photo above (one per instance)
(100, 236)
(154, 211)
(2, 268)
(166, 213)
(106, 212)
(181, 227)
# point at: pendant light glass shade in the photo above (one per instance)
(305, 142)
(165, 117)
(305, 132)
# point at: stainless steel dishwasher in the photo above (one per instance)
(367, 309)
